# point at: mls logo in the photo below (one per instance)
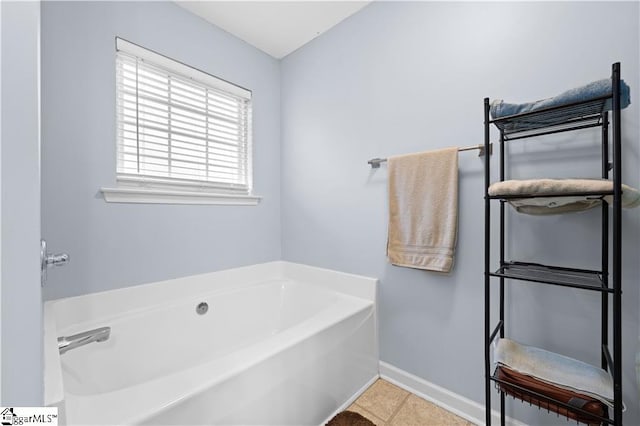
(7, 416)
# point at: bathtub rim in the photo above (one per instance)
(126, 299)
(346, 283)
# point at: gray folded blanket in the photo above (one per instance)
(592, 90)
(556, 205)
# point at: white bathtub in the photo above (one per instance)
(281, 344)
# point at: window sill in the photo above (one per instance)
(164, 196)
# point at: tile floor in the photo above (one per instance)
(385, 404)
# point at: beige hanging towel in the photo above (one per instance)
(423, 209)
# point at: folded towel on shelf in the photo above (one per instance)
(559, 370)
(557, 205)
(423, 209)
(592, 90)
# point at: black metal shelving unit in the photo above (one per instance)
(579, 115)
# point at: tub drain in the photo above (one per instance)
(202, 308)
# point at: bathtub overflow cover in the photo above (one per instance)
(202, 308)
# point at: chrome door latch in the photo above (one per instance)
(48, 260)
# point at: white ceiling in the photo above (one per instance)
(275, 27)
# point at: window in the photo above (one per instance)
(179, 130)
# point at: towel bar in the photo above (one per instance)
(375, 162)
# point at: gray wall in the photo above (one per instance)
(404, 77)
(118, 245)
(21, 293)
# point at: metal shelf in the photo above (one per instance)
(554, 275)
(563, 118)
(593, 194)
(547, 402)
(591, 113)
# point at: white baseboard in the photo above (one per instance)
(457, 404)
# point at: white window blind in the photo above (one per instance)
(178, 126)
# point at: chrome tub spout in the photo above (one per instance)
(66, 343)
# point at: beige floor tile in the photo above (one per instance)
(382, 399)
(418, 412)
(358, 409)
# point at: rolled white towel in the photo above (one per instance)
(556, 205)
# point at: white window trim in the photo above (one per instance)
(143, 190)
(169, 196)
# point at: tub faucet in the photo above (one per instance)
(66, 343)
